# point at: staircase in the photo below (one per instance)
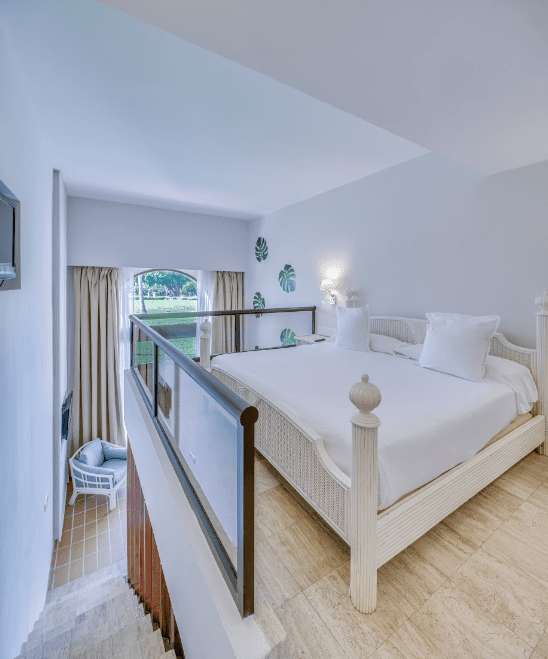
(95, 617)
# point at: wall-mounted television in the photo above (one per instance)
(10, 250)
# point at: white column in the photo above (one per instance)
(205, 345)
(542, 360)
(363, 497)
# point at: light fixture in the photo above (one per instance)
(330, 285)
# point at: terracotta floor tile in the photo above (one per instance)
(78, 520)
(77, 551)
(78, 534)
(90, 529)
(103, 541)
(63, 556)
(76, 569)
(102, 525)
(103, 558)
(65, 539)
(61, 576)
(90, 563)
(91, 515)
(80, 504)
(90, 545)
(91, 502)
(68, 510)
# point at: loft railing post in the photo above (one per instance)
(131, 344)
(246, 512)
(237, 332)
(155, 380)
(314, 320)
(205, 345)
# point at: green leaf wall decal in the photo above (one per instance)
(261, 249)
(258, 303)
(287, 337)
(287, 279)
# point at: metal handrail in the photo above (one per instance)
(234, 312)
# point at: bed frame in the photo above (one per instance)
(349, 506)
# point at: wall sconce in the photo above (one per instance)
(330, 285)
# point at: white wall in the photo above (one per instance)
(102, 233)
(426, 235)
(26, 400)
(60, 347)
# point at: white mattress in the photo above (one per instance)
(430, 421)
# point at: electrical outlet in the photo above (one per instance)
(46, 503)
(192, 456)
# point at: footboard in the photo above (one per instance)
(300, 458)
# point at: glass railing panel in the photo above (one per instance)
(274, 330)
(181, 332)
(142, 360)
(205, 437)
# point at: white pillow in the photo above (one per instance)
(353, 328)
(387, 344)
(409, 350)
(457, 344)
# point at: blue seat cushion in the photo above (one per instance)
(113, 452)
(100, 471)
(92, 454)
(119, 467)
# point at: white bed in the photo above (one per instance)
(431, 421)
(309, 451)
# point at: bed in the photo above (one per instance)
(343, 485)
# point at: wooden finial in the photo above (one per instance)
(205, 327)
(366, 397)
(542, 304)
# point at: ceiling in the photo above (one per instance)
(465, 78)
(240, 108)
(130, 113)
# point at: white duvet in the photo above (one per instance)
(430, 421)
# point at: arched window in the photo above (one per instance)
(166, 292)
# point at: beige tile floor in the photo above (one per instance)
(475, 586)
(93, 537)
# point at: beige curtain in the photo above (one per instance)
(228, 295)
(97, 402)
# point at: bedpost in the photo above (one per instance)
(542, 360)
(363, 497)
(205, 345)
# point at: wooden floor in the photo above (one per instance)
(475, 586)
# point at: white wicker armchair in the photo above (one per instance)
(102, 479)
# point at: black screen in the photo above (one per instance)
(6, 233)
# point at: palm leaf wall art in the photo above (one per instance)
(261, 249)
(258, 303)
(287, 337)
(287, 279)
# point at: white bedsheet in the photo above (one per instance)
(430, 421)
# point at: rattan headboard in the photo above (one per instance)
(413, 330)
